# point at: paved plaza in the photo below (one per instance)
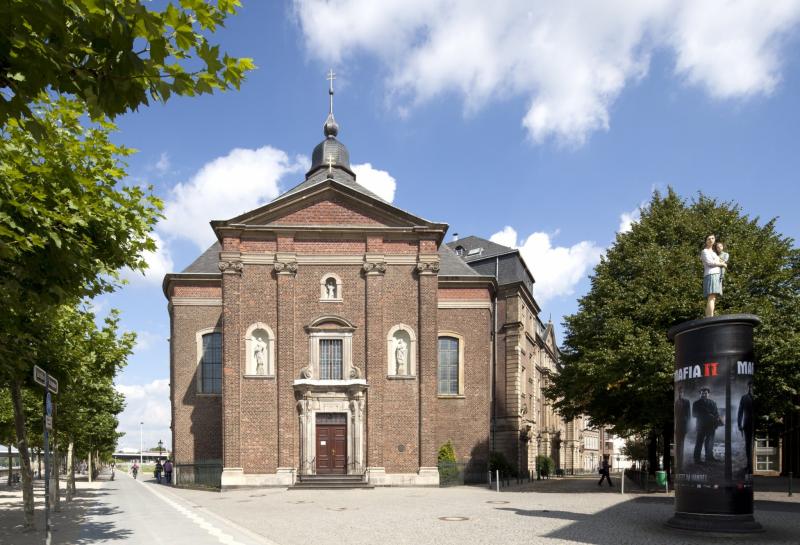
(558, 511)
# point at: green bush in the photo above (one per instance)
(448, 469)
(497, 460)
(447, 453)
(545, 464)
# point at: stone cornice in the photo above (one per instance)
(450, 304)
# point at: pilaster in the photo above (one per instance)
(285, 268)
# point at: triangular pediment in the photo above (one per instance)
(327, 204)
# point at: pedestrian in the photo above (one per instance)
(158, 470)
(605, 471)
(168, 471)
(135, 469)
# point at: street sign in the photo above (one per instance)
(48, 422)
(41, 377)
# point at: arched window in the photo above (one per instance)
(209, 376)
(330, 288)
(451, 365)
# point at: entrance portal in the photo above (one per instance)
(331, 443)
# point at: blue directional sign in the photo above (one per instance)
(48, 404)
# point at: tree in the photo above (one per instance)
(113, 55)
(617, 361)
(66, 227)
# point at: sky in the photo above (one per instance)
(541, 125)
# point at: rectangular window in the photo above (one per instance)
(448, 366)
(330, 359)
(211, 364)
(764, 462)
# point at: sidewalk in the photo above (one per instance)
(65, 524)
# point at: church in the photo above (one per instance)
(329, 332)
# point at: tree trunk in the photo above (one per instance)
(652, 453)
(667, 438)
(90, 465)
(24, 457)
(10, 465)
(70, 470)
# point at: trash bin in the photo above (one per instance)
(661, 478)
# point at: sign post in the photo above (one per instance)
(50, 384)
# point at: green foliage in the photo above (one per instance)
(498, 461)
(113, 55)
(447, 453)
(66, 225)
(635, 449)
(617, 361)
(448, 470)
(545, 464)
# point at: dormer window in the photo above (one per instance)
(459, 251)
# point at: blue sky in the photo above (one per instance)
(542, 126)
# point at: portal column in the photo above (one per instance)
(231, 267)
(374, 268)
(428, 271)
(285, 372)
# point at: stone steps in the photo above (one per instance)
(330, 482)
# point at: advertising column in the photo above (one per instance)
(714, 366)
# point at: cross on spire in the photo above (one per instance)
(330, 78)
(330, 165)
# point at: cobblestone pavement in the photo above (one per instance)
(571, 510)
(557, 511)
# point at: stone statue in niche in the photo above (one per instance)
(330, 288)
(259, 354)
(401, 356)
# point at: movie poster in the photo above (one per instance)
(714, 426)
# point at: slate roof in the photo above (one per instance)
(452, 265)
(490, 249)
(339, 175)
(208, 262)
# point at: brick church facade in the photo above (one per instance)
(330, 332)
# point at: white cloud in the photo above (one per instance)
(379, 182)
(147, 403)
(557, 270)
(145, 340)
(627, 219)
(163, 163)
(223, 188)
(158, 262)
(570, 59)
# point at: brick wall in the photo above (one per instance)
(197, 418)
(466, 420)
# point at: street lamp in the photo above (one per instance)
(141, 445)
(538, 453)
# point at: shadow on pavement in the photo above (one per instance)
(641, 520)
(70, 526)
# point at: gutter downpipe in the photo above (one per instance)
(493, 426)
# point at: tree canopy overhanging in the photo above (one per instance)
(113, 55)
(617, 360)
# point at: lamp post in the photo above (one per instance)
(538, 453)
(619, 468)
(141, 445)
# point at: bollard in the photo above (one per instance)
(623, 482)
(498, 480)
(490, 479)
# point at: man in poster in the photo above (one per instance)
(683, 412)
(707, 420)
(745, 419)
